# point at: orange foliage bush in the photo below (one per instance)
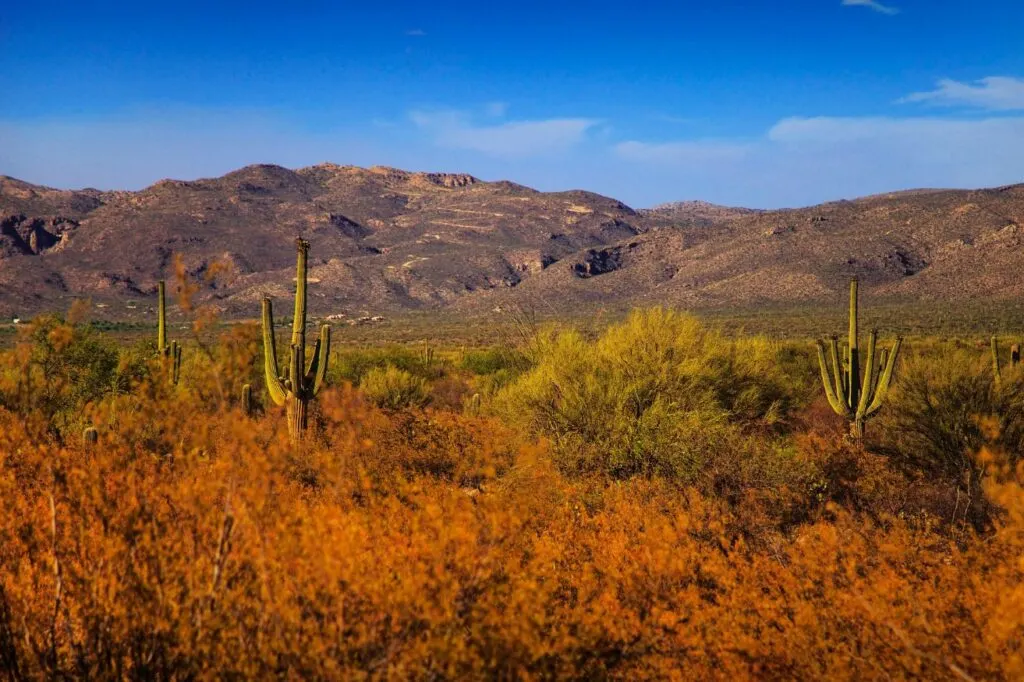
(210, 547)
(193, 541)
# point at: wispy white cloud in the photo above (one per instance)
(513, 139)
(796, 161)
(801, 161)
(996, 93)
(874, 5)
(416, 32)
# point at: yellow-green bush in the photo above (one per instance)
(655, 394)
(394, 389)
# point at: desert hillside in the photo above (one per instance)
(386, 240)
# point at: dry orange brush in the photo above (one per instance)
(189, 545)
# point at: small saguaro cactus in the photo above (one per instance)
(1014, 359)
(169, 353)
(851, 394)
(247, 405)
(296, 390)
(428, 355)
(472, 405)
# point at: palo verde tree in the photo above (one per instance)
(853, 394)
(297, 389)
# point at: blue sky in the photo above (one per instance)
(768, 104)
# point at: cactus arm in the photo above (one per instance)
(324, 354)
(318, 365)
(885, 380)
(176, 362)
(838, 405)
(299, 319)
(837, 369)
(314, 362)
(869, 369)
(161, 329)
(270, 370)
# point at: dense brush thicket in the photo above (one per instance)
(660, 502)
(652, 396)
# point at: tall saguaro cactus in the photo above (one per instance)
(851, 393)
(170, 353)
(297, 389)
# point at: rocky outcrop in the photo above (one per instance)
(598, 262)
(22, 235)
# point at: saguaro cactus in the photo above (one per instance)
(90, 436)
(1014, 359)
(297, 389)
(472, 406)
(851, 394)
(170, 353)
(247, 405)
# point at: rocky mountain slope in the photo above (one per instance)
(697, 213)
(385, 240)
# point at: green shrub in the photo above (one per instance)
(353, 364)
(392, 388)
(493, 360)
(946, 409)
(653, 395)
(65, 366)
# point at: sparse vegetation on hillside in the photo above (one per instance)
(390, 242)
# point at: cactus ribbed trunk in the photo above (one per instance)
(298, 417)
(853, 360)
(161, 329)
(299, 317)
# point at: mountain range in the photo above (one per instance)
(385, 241)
